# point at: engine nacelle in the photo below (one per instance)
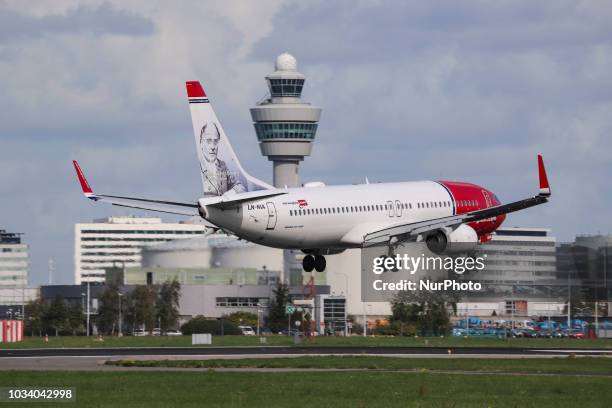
(461, 239)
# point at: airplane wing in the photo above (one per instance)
(410, 231)
(226, 200)
(170, 207)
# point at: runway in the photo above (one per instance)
(92, 359)
(296, 350)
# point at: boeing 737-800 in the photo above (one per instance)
(323, 220)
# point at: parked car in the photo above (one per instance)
(156, 331)
(530, 333)
(140, 332)
(174, 333)
(577, 335)
(291, 332)
(265, 331)
(247, 330)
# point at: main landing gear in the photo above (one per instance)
(316, 262)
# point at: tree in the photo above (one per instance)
(427, 310)
(76, 319)
(168, 304)
(108, 309)
(141, 307)
(56, 316)
(277, 319)
(242, 318)
(35, 310)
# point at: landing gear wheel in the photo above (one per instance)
(308, 263)
(320, 263)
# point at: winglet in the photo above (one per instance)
(195, 90)
(84, 184)
(544, 186)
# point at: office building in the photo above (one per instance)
(14, 261)
(117, 242)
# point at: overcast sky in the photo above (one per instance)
(409, 90)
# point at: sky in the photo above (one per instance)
(410, 90)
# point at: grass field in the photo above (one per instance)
(328, 389)
(583, 365)
(185, 341)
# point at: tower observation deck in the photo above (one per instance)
(285, 126)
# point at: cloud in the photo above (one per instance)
(112, 95)
(103, 19)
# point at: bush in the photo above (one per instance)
(201, 324)
(242, 318)
(395, 328)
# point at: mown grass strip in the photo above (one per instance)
(565, 365)
(308, 389)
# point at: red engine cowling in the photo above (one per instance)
(448, 241)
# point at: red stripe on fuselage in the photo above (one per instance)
(468, 197)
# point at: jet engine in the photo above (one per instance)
(448, 241)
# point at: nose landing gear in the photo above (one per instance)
(316, 262)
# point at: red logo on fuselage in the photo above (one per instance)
(302, 203)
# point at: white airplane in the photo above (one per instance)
(323, 220)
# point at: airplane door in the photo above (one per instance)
(271, 216)
(398, 208)
(390, 207)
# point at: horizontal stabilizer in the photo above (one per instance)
(230, 200)
(171, 207)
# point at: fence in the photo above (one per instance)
(11, 331)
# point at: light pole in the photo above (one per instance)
(258, 312)
(88, 303)
(345, 302)
(364, 320)
(120, 320)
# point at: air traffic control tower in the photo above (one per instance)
(285, 126)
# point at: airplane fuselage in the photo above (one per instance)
(339, 217)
